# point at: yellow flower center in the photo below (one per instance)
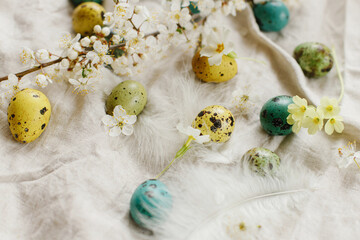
(332, 121)
(316, 120)
(303, 108)
(16, 88)
(220, 48)
(329, 108)
(177, 16)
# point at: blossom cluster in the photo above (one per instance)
(129, 35)
(348, 155)
(312, 118)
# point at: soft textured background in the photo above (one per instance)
(75, 182)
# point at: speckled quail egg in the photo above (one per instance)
(78, 2)
(28, 115)
(221, 73)
(131, 95)
(315, 59)
(215, 121)
(262, 160)
(86, 16)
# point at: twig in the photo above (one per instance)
(34, 69)
(44, 65)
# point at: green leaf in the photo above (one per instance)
(233, 55)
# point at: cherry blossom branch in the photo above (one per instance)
(34, 69)
(44, 65)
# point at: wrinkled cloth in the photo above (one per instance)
(75, 182)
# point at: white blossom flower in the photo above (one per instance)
(120, 122)
(99, 55)
(71, 46)
(314, 120)
(42, 80)
(217, 45)
(72, 55)
(121, 66)
(97, 29)
(108, 18)
(106, 31)
(93, 39)
(207, 6)
(195, 134)
(42, 55)
(66, 41)
(121, 11)
(178, 15)
(126, 30)
(85, 42)
(348, 155)
(334, 123)
(245, 100)
(83, 86)
(13, 85)
(116, 39)
(27, 56)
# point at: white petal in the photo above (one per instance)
(74, 82)
(109, 121)
(129, 119)
(119, 111)
(127, 130)
(115, 131)
(208, 51)
(339, 127)
(215, 60)
(13, 79)
(202, 139)
(329, 128)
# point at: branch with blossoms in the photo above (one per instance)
(121, 44)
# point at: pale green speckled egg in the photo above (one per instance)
(28, 115)
(131, 95)
(215, 121)
(262, 160)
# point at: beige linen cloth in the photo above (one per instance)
(75, 182)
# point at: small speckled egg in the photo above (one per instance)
(315, 59)
(131, 95)
(150, 203)
(273, 115)
(262, 160)
(86, 16)
(28, 115)
(194, 8)
(222, 73)
(78, 2)
(271, 16)
(215, 121)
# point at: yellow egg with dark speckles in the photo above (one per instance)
(221, 73)
(86, 16)
(28, 115)
(215, 121)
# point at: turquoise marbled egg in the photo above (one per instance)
(78, 2)
(150, 203)
(272, 16)
(273, 115)
(262, 161)
(194, 8)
